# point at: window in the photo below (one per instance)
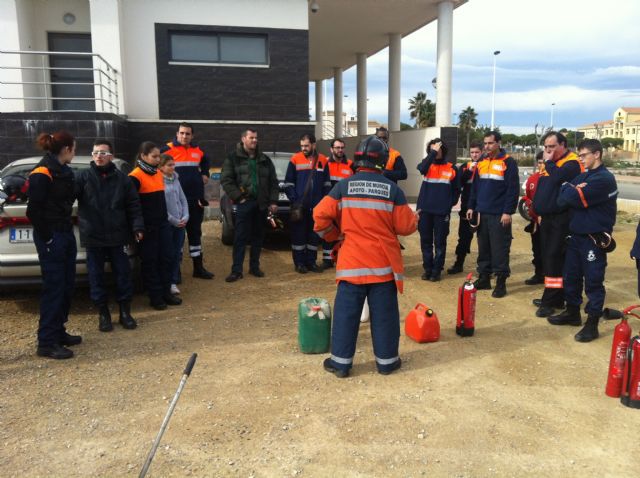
(219, 48)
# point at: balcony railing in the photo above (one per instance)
(26, 83)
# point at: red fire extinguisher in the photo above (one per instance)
(631, 375)
(624, 367)
(465, 323)
(621, 338)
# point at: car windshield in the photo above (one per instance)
(281, 162)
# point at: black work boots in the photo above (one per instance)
(104, 319)
(199, 271)
(457, 267)
(569, 316)
(126, 320)
(483, 282)
(590, 330)
(501, 287)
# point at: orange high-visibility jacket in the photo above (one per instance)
(340, 169)
(369, 211)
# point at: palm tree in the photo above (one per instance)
(467, 121)
(422, 110)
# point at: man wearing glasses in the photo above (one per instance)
(340, 167)
(494, 196)
(560, 166)
(110, 217)
(591, 198)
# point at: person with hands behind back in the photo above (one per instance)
(110, 216)
(439, 192)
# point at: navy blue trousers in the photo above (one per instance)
(304, 242)
(58, 267)
(96, 258)
(584, 263)
(156, 252)
(194, 228)
(385, 323)
(465, 235)
(249, 229)
(433, 229)
(554, 229)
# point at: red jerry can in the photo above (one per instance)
(422, 324)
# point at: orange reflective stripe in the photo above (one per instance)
(42, 170)
(553, 282)
(582, 198)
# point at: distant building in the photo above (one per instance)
(625, 125)
(349, 125)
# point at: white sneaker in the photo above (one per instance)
(174, 289)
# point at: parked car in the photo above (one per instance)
(19, 264)
(228, 209)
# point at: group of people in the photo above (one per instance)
(353, 210)
(153, 206)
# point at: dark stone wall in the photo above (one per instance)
(18, 132)
(277, 93)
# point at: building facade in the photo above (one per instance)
(152, 65)
(624, 125)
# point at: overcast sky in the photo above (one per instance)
(582, 55)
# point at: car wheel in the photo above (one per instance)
(227, 231)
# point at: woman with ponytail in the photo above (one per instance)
(155, 247)
(51, 196)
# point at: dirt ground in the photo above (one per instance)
(520, 398)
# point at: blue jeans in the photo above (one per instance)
(116, 255)
(249, 229)
(177, 241)
(385, 323)
(58, 267)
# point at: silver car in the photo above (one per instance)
(19, 264)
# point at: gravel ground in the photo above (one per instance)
(520, 398)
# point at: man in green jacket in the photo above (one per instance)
(249, 179)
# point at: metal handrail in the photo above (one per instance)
(104, 84)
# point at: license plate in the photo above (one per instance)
(20, 234)
(282, 197)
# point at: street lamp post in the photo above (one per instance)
(551, 123)
(493, 94)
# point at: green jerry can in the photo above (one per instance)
(314, 326)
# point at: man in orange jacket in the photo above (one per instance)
(366, 211)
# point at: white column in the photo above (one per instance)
(10, 40)
(337, 103)
(106, 40)
(445, 47)
(361, 73)
(395, 67)
(319, 109)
